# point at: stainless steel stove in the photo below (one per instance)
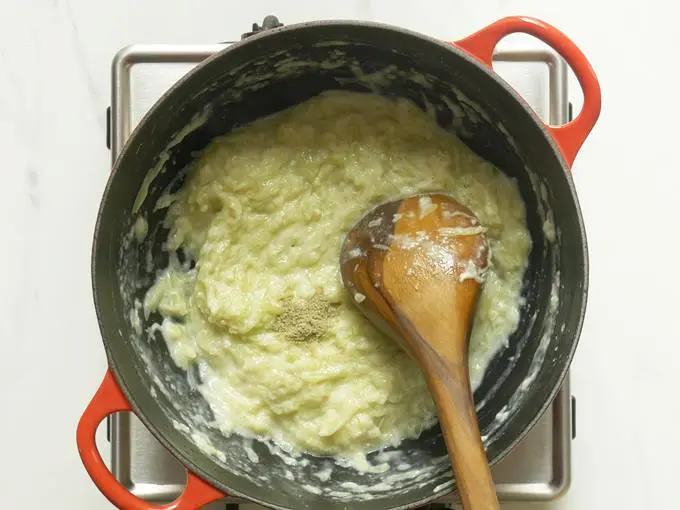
(538, 469)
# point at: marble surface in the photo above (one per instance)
(54, 87)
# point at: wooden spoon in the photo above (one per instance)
(415, 266)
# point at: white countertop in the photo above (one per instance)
(54, 87)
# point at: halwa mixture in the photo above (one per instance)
(255, 299)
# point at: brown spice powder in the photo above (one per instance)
(305, 320)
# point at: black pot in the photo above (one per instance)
(498, 125)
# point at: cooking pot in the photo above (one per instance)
(268, 72)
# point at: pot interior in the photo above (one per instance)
(266, 74)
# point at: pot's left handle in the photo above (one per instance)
(108, 400)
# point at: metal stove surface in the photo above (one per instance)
(538, 469)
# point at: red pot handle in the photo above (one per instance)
(110, 399)
(570, 136)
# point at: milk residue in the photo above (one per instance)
(196, 122)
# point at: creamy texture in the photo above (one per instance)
(281, 348)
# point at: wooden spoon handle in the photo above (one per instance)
(447, 375)
(451, 391)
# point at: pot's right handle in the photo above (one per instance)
(570, 136)
(110, 399)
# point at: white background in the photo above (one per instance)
(54, 86)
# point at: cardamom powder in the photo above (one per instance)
(305, 320)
